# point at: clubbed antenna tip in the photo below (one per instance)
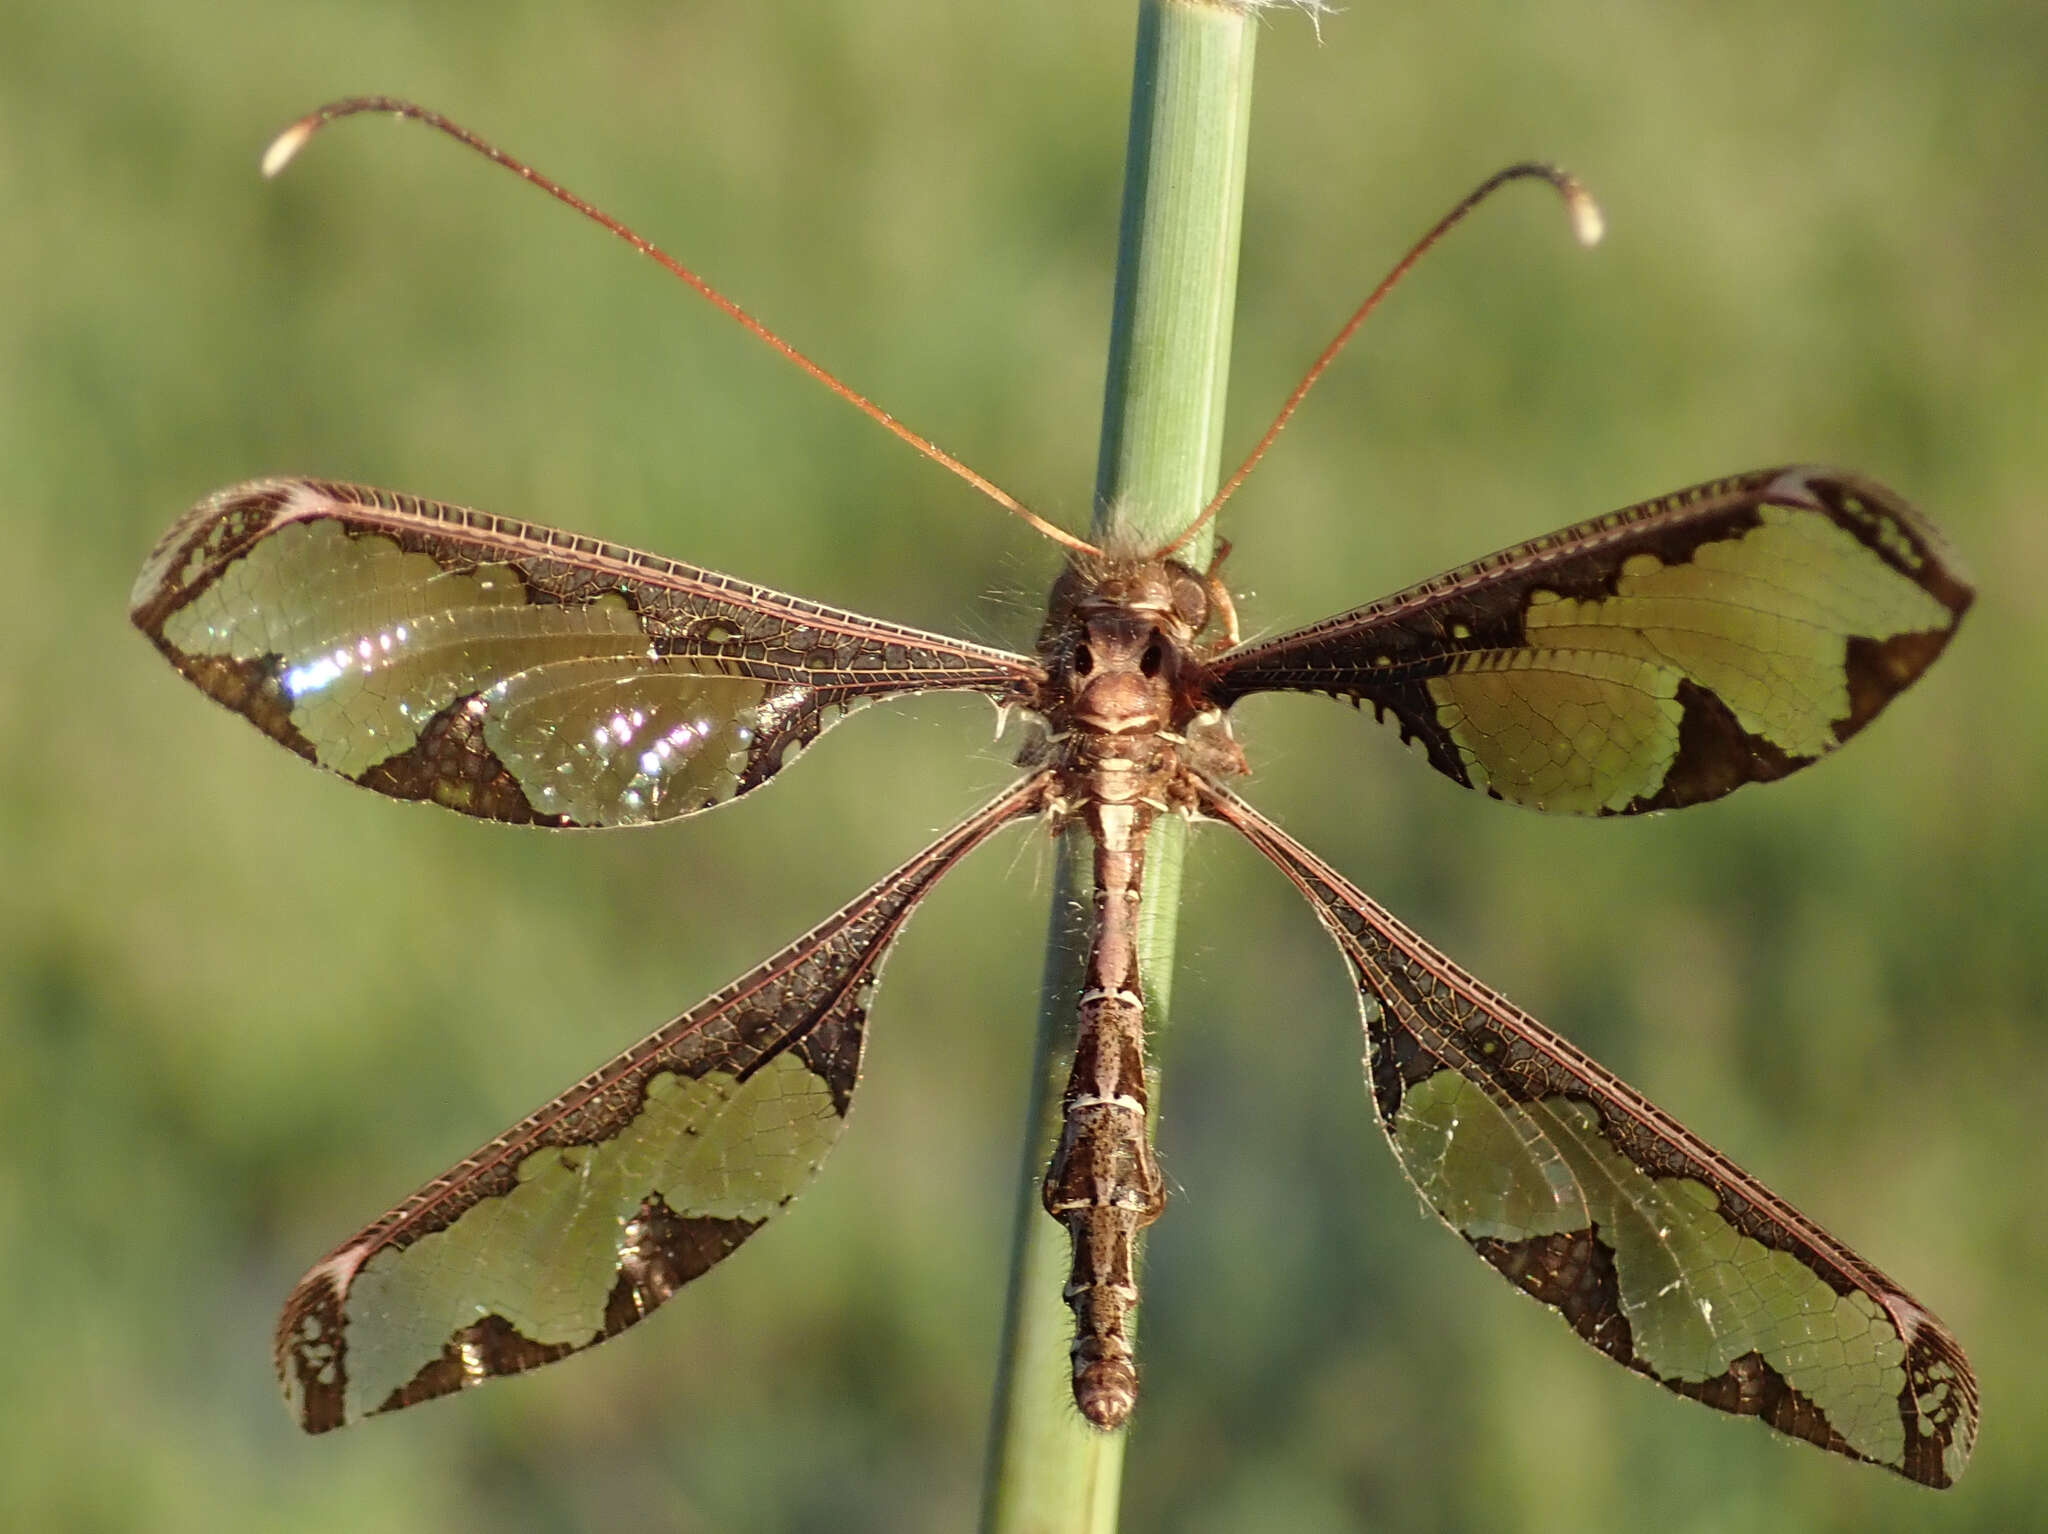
(1589, 224)
(286, 146)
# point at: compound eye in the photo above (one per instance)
(1191, 602)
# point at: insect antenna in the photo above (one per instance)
(285, 147)
(1588, 225)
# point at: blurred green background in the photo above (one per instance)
(245, 1007)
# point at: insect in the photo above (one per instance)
(1660, 656)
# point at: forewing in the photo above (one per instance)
(1653, 1246)
(512, 672)
(1656, 657)
(580, 1220)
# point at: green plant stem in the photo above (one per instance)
(1048, 1471)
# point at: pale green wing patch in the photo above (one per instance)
(717, 1154)
(1656, 657)
(1654, 1247)
(512, 672)
(586, 1216)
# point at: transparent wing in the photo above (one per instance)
(586, 1216)
(514, 672)
(1656, 657)
(1654, 1247)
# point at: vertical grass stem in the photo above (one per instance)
(1169, 356)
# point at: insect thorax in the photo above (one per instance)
(1126, 702)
